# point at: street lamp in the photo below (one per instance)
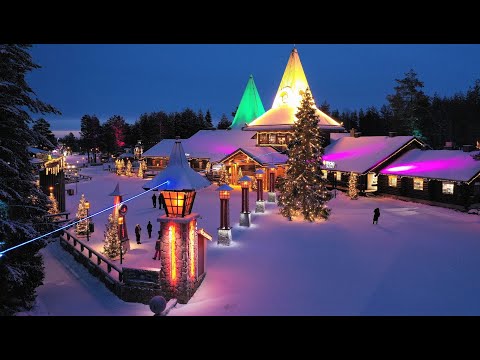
(260, 204)
(87, 206)
(271, 180)
(51, 189)
(224, 231)
(178, 203)
(245, 214)
(120, 223)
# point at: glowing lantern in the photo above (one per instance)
(224, 193)
(245, 214)
(178, 203)
(259, 175)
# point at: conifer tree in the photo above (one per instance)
(82, 226)
(21, 269)
(224, 178)
(128, 171)
(352, 186)
(111, 248)
(304, 190)
(53, 206)
(240, 173)
(140, 170)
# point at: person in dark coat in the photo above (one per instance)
(157, 247)
(154, 200)
(149, 229)
(160, 200)
(137, 233)
(376, 215)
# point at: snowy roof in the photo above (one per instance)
(34, 150)
(283, 117)
(264, 155)
(209, 144)
(178, 174)
(36, 161)
(360, 154)
(126, 155)
(250, 107)
(453, 165)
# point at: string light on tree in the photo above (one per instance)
(128, 171)
(111, 246)
(82, 226)
(303, 191)
(352, 186)
(53, 205)
(140, 170)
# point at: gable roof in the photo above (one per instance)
(362, 154)
(209, 144)
(262, 155)
(455, 165)
(178, 173)
(250, 106)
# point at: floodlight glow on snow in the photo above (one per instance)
(76, 222)
(173, 257)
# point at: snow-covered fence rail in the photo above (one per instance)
(84, 254)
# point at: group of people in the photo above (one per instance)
(138, 230)
(160, 200)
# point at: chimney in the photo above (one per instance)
(352, 132)
(392, 133)
(358, 134)
(467, 148)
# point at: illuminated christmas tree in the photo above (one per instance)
(82, 226)
(240, 173)
(352, 186)
(111, 248)
(224, 178)
(208, 167)
(143, 164)
(119, 164)
(253, 183)
(53, 206)
(304, 190)
(140, 170)
(128, 171)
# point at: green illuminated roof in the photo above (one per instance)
(250, 107)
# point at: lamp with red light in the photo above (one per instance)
(245, 214)
(224, 231)
(271, 185)
(260, 204)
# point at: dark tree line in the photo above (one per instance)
(150, 128)
(409, 111)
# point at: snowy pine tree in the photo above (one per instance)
(21, 269)
(82, 226)
(223, 176)
(143, 165)
(304, 192)
(53, 206)
(120, 165)
(111, 248)
(254, 183)
(240, 173)
(140, 170)
(128, 171)
(352, 186)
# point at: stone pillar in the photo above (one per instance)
(179, 257)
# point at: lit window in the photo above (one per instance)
(418, 183)
(447, 187)
(324, 174)
(339, 176)
(392, 181)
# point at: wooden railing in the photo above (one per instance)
(72, 241)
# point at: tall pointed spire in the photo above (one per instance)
(293, 84)
(250, 107)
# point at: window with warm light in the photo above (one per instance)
(392, 181)
(339, 176)
(418, 183)
(178, 203)
(447, 187)
(324, 174)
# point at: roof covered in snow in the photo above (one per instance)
(360, 154)
(208, 144)
(34, 150)
(178, 175)
(283, 117)
(250, 107)
(264, 155)
(454, 165)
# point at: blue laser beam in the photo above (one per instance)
(76, 222)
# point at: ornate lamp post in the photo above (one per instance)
(87, 206)
(245, 214)
(271, 181)
(120, 240)
(260, 204)
(224, 231)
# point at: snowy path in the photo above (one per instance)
(419, 260)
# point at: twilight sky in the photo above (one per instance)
(129, 80)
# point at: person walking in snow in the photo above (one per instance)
(137, 233)
(157, 247)
(149, 229)
(154, 200)
(376, 215)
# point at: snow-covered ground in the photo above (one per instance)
(419, 260)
